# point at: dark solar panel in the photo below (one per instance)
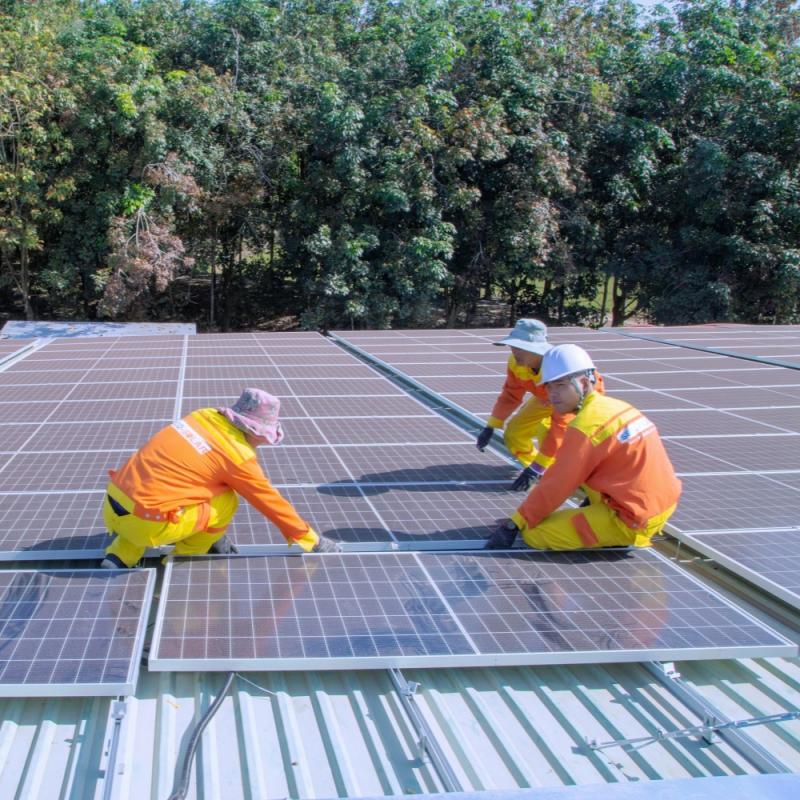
(770, 559)
(752, 453)
(453, 512)
(30, 412)
(342, 513)
(124, 392)
(286, 465)
(425, 463)
(725, 502)
(72, 632)
(391, 430)
(111, 410)
(68, 525)
(410, 609)
(57, 472)
(103, 436)
(691, 422)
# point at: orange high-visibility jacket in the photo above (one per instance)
(519, 381)
(195, 459)
(614, 449)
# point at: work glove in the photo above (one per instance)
(484, 437)
(503, 536)
(223, 547)
(326, 545)
(527, 478)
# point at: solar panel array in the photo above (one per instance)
(357, 611)
(731, 426)
(363, 461)
(75, 632)
(776, 344)
(358, 453)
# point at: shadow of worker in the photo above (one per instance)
(441, 477)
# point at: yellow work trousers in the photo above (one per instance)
(595, 525)
(531, 422)
(134, 535)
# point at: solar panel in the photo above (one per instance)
(63, 525)
(369, 611)
(768, 558)
(733, 501)
(72, 632)
(58, 472)
(736, 474)
(107, 435)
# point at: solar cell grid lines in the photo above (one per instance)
(292, 466)
(125, 391)
(699, 421)
(768, 558)
(424, 463)
(341, 513)
(59, 471)
(456, 512)
(753, 453)
(413, 609)
(324, 387)
(388, 430)
(23, 412)
(106, 435)
(65, 525)
(72, 632)
(215, 387)
(32, 394)
(736, 502)
(109, 411)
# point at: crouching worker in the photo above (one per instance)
(611, 450)
(182, 486)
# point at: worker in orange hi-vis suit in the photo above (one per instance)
(181, 487)
(610, 449)
(536, 420)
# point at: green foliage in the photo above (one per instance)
(385, 163)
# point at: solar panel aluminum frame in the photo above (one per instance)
(156, 663)
(125, 688)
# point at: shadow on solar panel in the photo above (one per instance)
(430, 479)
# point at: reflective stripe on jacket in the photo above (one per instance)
(520, 381)
(615, 450)
(197, 458)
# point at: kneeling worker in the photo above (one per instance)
(535, 419)
(610, 449)
(181, 487)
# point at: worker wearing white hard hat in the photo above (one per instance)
(611, 450)
(534, 423)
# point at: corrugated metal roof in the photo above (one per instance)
(346, 734)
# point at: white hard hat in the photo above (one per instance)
(563, 360)
(530, 335)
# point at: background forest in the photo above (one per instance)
(398, 163)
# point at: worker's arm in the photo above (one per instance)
(509, 399)
(573, 466)
(249, 480)
(546, 454)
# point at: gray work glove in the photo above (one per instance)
(326, 545)
(223, 547)
(527, 478)
(484, 437)
(503, 536)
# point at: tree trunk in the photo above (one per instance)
(212, 311)
(618, 302)
(25, 281)
(604, 300)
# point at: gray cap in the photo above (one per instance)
(530, 335)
